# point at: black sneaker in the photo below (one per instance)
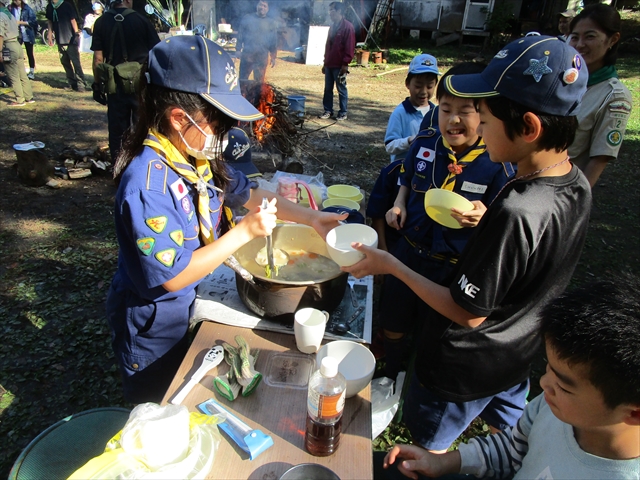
(325, 115)
(341, 117)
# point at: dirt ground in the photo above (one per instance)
(59, 246)
(351, 151)
(348, 152)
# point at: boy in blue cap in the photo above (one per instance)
(405, 120)
(586, 424)
(404, 124)
(172, 208)
(479, 340)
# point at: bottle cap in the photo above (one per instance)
(329, 367)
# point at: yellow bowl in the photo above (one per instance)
(341, 202)
(438, 204)
(344, 191)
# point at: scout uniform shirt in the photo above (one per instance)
(427, 166)
(602, 120)
(158, 229)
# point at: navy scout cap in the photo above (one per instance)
(194, 64)
(237, 152)
(539, 72)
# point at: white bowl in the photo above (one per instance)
(340, 238)
(355, 362)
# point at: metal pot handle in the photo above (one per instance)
(234, 265)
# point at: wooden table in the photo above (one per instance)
(277, 410)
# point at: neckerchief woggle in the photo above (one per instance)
(198, 176)
(457, 164)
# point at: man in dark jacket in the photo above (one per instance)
(63, 22)
(139, 37)
(257, 40)
(338, 53)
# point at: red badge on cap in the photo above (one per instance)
(570, 76)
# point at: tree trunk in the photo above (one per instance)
(34, 167)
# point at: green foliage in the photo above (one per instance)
(499, 22)
(395, 433)
(402, 55)
(55, 357)
(175, 11)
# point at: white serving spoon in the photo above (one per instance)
(211, 359)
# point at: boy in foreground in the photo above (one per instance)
(586, 424)
(479, 340)
(405, 120)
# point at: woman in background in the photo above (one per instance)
(26, 19)
(605, 108)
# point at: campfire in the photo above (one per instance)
(277, 130)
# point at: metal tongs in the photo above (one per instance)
(211, 359)
(271, 263)
(252, 441)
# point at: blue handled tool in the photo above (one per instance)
(252, 441)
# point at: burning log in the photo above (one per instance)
(278, 129)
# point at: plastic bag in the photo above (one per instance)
(158, 442)
(316, 183)
(384, 402)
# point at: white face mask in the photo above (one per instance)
(210, 147)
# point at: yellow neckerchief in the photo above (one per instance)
(458, 164)
(199, 176)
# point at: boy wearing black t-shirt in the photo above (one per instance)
(479, 341)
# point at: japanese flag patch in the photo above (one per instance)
(179, 188)
(426, 154)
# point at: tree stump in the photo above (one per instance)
(34, 167)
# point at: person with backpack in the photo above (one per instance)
(121, 42)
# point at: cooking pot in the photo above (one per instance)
(273, 297)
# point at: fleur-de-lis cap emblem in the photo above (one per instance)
(231, 77)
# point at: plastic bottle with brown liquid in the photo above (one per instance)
(325, 403)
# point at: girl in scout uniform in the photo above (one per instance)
(605, 108)
(171, 208)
